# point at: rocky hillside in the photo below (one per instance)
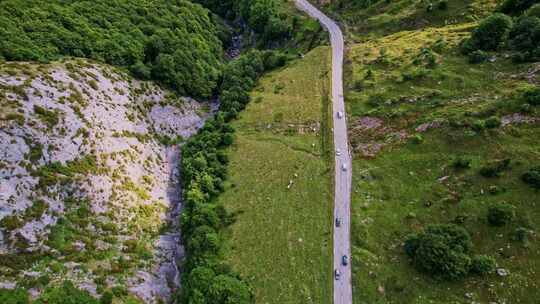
(89, 186)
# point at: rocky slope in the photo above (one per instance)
(89, 186)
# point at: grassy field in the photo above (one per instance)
(416, 105)
(280, 186)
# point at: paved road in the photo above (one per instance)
(342, 197)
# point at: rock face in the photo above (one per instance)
(89, 185)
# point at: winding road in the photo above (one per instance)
(342, 196)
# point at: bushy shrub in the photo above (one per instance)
(521, 234)
(490, 34)
(495, 168)
(272, 60)
(375, 100)
(426, 57)
(478, 125)
(14, 296)
(478, 56)
(532, 96)
(441, 250)
(500, 214)
(493, 122)
(461, 163)
(532, 177)
(483, 264)
(516, 7)
(106, 298)
(525, 38)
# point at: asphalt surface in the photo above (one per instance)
(342, 197)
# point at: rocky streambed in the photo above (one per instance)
(89, 181)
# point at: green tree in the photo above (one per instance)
(204, 240)
(226, 289)
(492, 32)
(441, 250)
(516, 7)
(525, 37)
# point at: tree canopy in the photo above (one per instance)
(175, 42)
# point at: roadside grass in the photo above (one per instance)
(281, 240)
(411, 182)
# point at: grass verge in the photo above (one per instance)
(281, 241)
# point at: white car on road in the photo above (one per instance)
(338, 152)
(339, 114)
(344, 167)
(337, 274)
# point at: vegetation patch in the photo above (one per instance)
(56, 172)
(441, 250)
(48, 117)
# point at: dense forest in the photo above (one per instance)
(261, 16)
(174, 42)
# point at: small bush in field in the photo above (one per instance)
(495, 168)
(461, 163)
(532, 177)
(493, 122)
(500, 214)
(483, 264)
(532, 96)
(441, 251)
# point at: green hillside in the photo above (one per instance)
(444, 129)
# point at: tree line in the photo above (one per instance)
(207, 279)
